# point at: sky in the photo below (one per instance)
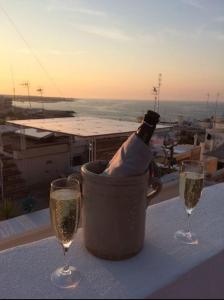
(113, 49)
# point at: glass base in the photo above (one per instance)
(187, 238)
(66, 279)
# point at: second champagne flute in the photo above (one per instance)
(192, 175)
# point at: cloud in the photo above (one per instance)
(220, 36)
(108, 33)
(23, 51)
(167, 33)
(219, 19)
(53, 52)
(53, 6)
(193, 3)
(65, 53)
(150, 38)
(217, 35)
(210, 32)
(213, 29)
(173, 32)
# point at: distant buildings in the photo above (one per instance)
(5, 105)
(32, 158)
(42, 156)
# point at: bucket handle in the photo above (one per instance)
(156, 185)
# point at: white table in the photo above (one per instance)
(25, 271)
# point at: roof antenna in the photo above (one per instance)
(13, 83)
(156, 92)
(40, 90)
(26, 84)
(207, 103)
(216, 107)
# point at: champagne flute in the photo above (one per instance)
(192, 175)
(64, 209)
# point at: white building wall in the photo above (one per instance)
(44, 169)
(42, 165)
(217, 140)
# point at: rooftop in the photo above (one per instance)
(11, 141)
(35, 133)
(83, 126)
(7, 129)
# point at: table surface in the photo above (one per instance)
(25, 271)
(83, 126)
(203, 282)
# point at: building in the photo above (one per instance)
(32, 157)
(5, 105)
(42, 156)
(219, 154)
(214, 138)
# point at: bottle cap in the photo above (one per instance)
(151, 118)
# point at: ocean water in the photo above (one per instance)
(130, 110)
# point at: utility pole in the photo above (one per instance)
(26, 84)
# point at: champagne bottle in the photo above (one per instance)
(135, 155)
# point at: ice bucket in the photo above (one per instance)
(114, 211)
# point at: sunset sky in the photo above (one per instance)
(113, 48)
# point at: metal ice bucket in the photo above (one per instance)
(114, 211)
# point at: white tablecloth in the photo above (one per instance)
(25, 271)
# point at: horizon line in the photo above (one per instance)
(107, 99)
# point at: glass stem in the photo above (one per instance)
(188, 223)
(66, 267)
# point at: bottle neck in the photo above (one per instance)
(145, 132)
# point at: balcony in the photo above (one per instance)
(164, 268)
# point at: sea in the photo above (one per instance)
(130, 110)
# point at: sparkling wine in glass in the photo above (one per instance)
(64, 209)
(192, 175)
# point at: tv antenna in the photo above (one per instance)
(26, 84)
(207, 102)
(216, 106)
(41, 92)
(156, 92)
(13, 84)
